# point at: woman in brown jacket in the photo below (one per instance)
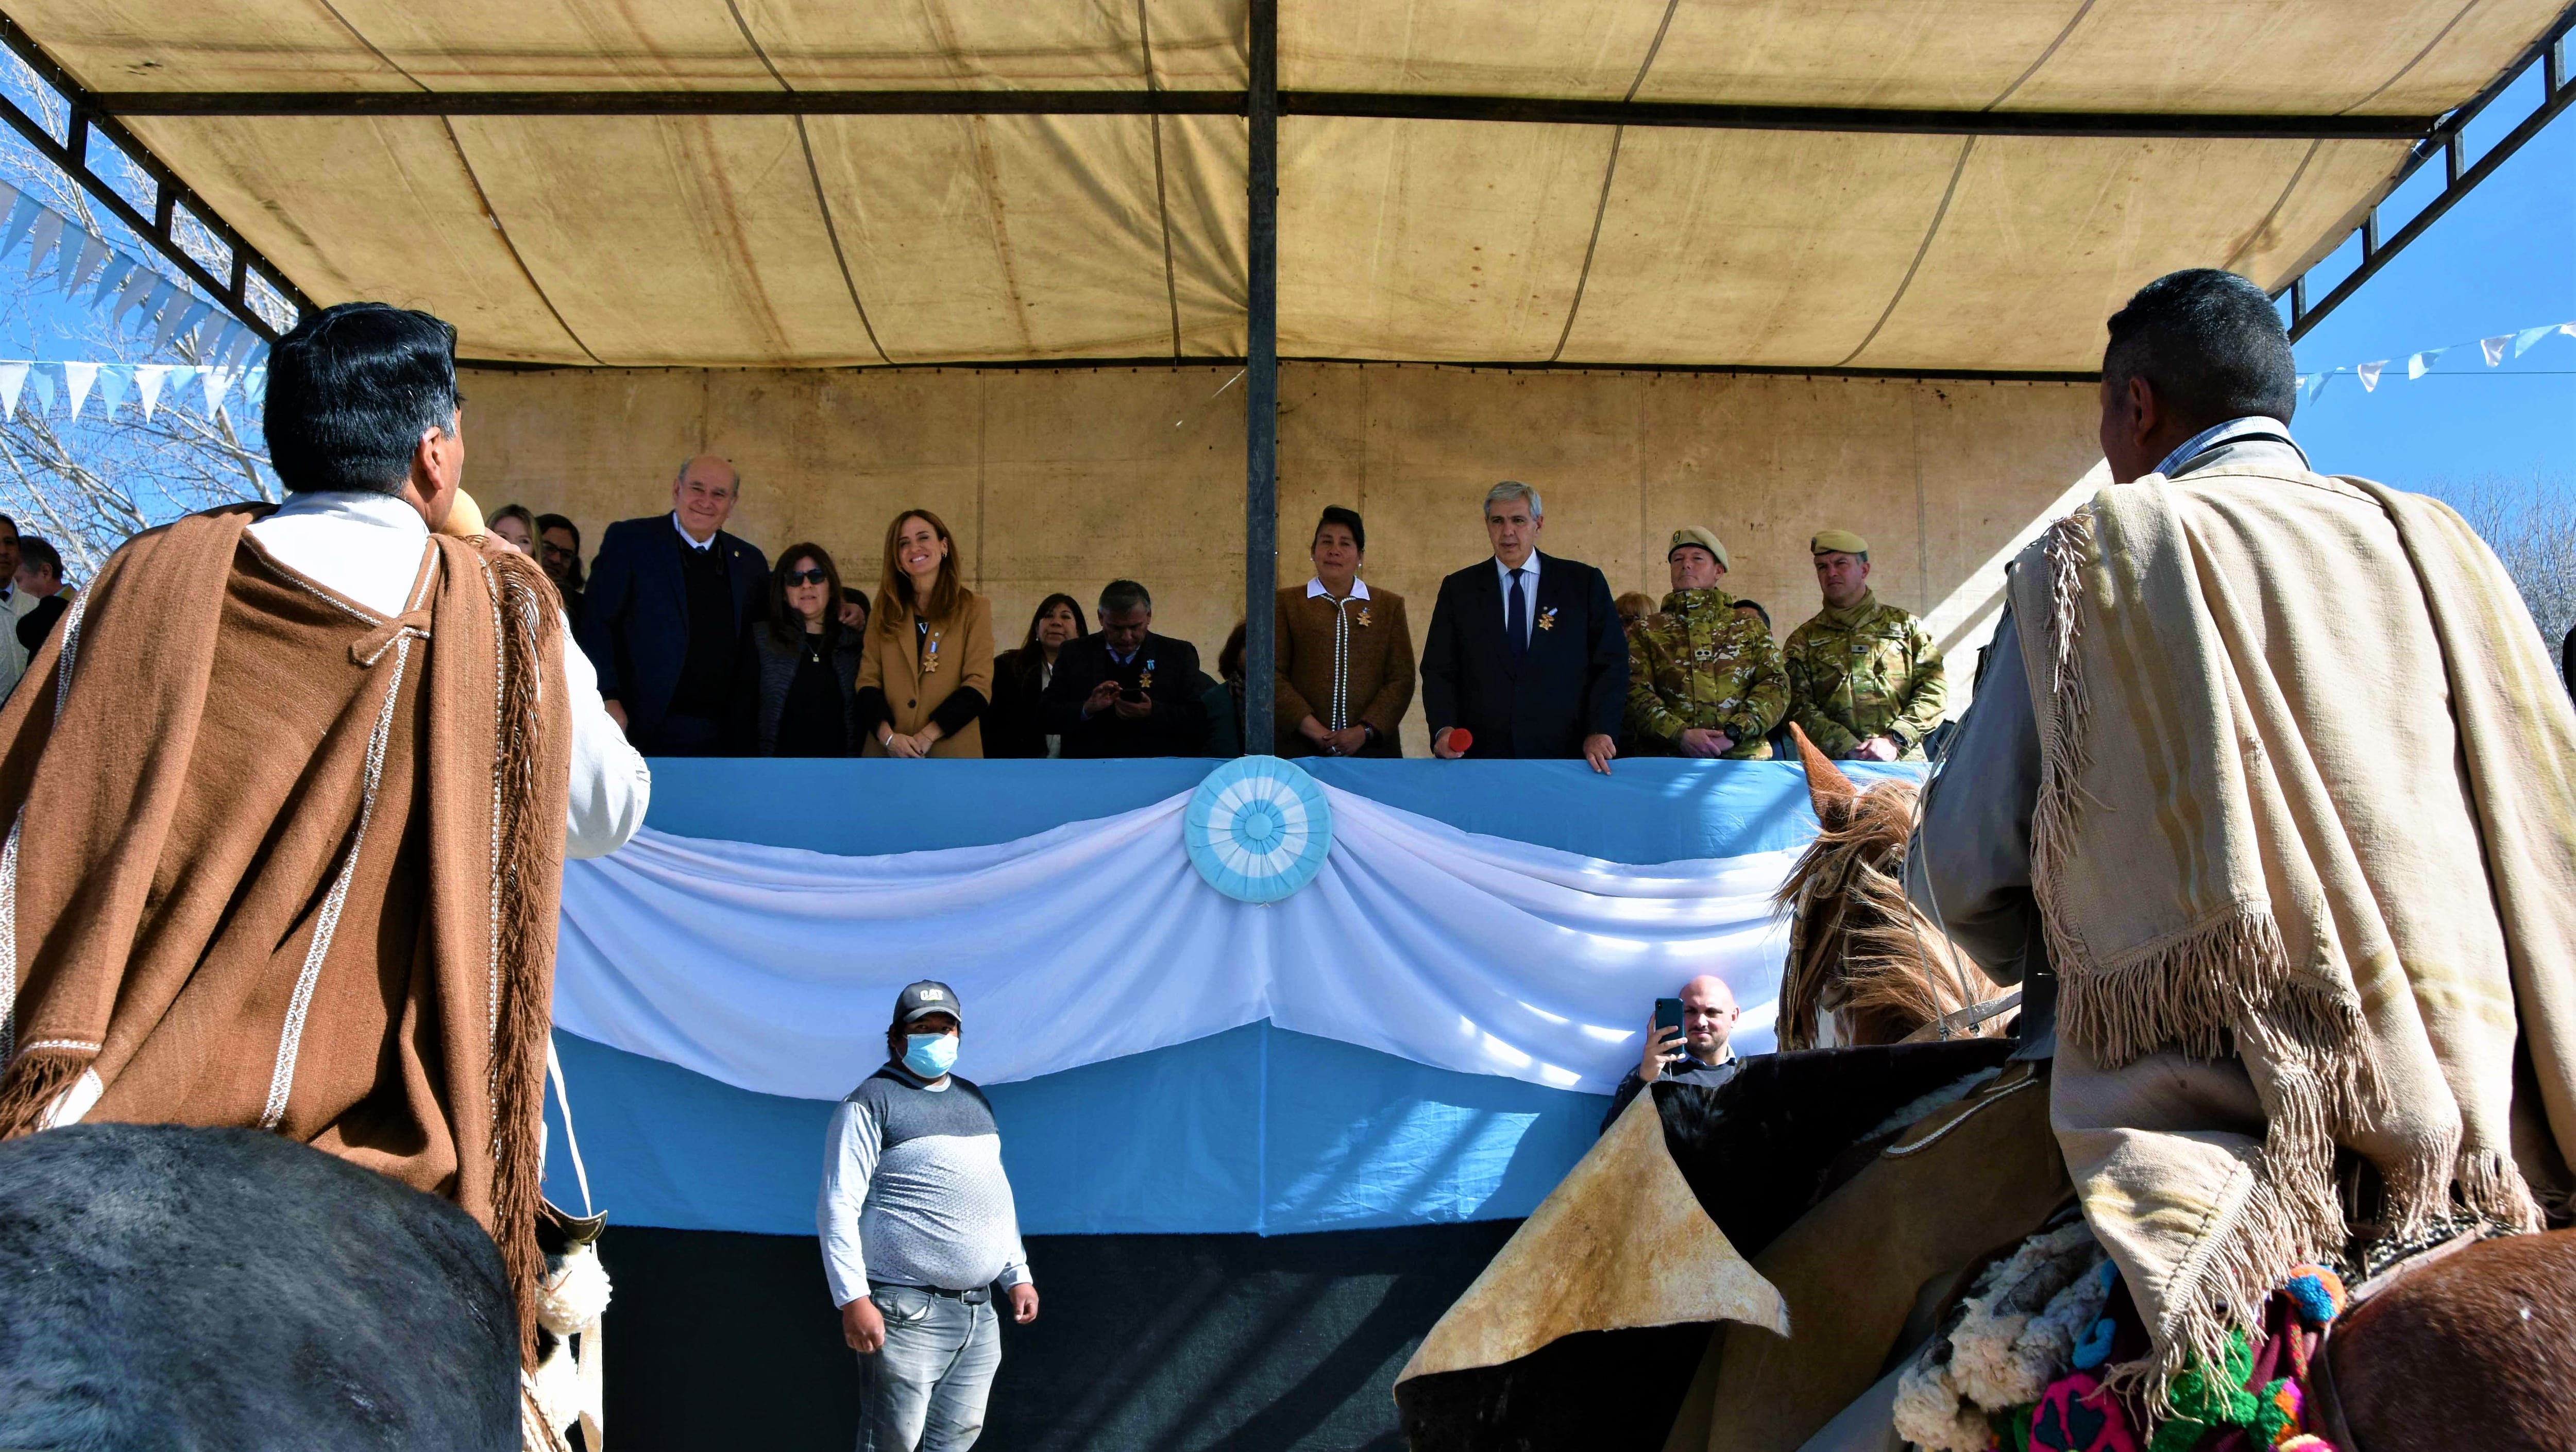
(926, 671)
(1345, 653)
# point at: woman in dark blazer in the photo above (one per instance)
(797, 692)
(1011, 724)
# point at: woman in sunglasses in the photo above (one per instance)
(928, 671)
(798, 692)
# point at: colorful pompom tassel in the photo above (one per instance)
(2316, 1292)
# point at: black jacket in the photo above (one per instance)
(1178, 725)
(1572, 684)
(766, 670)
(1011, 724)
(635, 612)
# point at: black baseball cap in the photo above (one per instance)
(928, 996)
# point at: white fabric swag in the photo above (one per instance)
(775, 969)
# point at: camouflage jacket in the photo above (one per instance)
(1698, 663)
(1868, 671)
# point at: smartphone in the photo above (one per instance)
(1668, 1014)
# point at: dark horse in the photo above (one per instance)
(224, 1288)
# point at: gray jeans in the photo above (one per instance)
(924, 1390)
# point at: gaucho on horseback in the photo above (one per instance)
(2258, 847)
(288, 797)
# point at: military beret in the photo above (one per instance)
(1692, 534)
(1832, 540)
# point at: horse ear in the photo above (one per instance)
(1827, 787)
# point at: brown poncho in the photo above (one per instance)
(276, 860)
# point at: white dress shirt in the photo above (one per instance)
(1359, 589)
(686, 538)
(368, 547)
(1529, 584)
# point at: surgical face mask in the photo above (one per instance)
(930, 1055)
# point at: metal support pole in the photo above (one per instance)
(1261, 394)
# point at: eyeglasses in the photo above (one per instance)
(806, 577)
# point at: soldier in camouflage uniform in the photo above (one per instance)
(1702, 679)
(1865, 679)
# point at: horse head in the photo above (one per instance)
(1857, 948)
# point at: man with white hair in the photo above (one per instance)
(664, 618)
(1527, 656)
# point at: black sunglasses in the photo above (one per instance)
(806, 577)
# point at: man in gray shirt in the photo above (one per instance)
(919, 1233)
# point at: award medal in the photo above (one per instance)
(1364, 615)
(1547, 618)
(1145, 678)
(930, 657)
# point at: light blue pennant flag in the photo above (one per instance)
(2523, 340)
(111, 278)
(43, 383)
(77, 378)
(113, 381)
(47, 231)
(13, 377)
(22, 215)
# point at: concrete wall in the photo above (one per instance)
(1066, 479)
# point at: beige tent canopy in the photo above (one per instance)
(1947, 186)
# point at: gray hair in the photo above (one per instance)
(1515, 489)
(681, 475)
(1122, 596)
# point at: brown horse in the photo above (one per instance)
(1857, 949)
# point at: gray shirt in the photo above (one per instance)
(1968, 867)
(913, 1190)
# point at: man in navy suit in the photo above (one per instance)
(1526, 653)
(670, 600)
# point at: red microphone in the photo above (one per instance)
(1460, 738)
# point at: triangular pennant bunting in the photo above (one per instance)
(163, 289)
(22, 215)
(176, 319)
(77, 378)
(2369, 373)
(2493, 348)
(92, 253)
(111, 278)
(137, 288)
(2419, 364)
(13, 377)
(43, 383)
(148, 378)
(47, 231)
(2317, 385)
(219, 381)
(113, 381)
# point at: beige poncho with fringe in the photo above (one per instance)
(2305, 847)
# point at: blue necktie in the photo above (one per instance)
(1516, 620)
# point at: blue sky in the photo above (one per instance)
(2503, 259)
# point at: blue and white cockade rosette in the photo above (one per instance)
(1257, 829)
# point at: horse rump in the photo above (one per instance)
(162, 1286)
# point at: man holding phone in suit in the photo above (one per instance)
(1685, 1042)
(1527, 656)
(1123, 690)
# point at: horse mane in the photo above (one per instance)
(1847, 887)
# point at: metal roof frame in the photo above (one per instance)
(2448, 140)
(160, 229)
(1532, 110)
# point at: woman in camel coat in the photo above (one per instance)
(926, 672)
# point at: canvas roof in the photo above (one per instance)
(866, 239)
